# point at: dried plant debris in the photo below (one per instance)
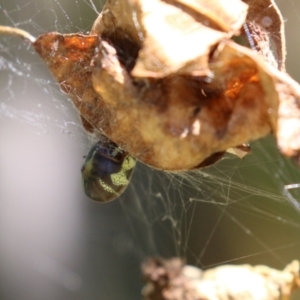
(265, 31)
(173, 280)
(167, 81)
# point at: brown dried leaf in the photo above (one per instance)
(148, 23)
(180, 35)
(229, 15)
(189, 114)
(266, 27)
(69, 57)
(171, 109)
(288, 121)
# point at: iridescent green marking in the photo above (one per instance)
(121, 178)
(107, 187)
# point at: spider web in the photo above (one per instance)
(57, 244)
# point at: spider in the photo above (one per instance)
(107, 171)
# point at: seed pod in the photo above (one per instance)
(107, 171)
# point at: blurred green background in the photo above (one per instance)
(57, 244)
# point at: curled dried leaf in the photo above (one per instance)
(265, 28)
(197, 116)
(164, 80)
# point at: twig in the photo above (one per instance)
(17, 32)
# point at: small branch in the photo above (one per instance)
(17, 32)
